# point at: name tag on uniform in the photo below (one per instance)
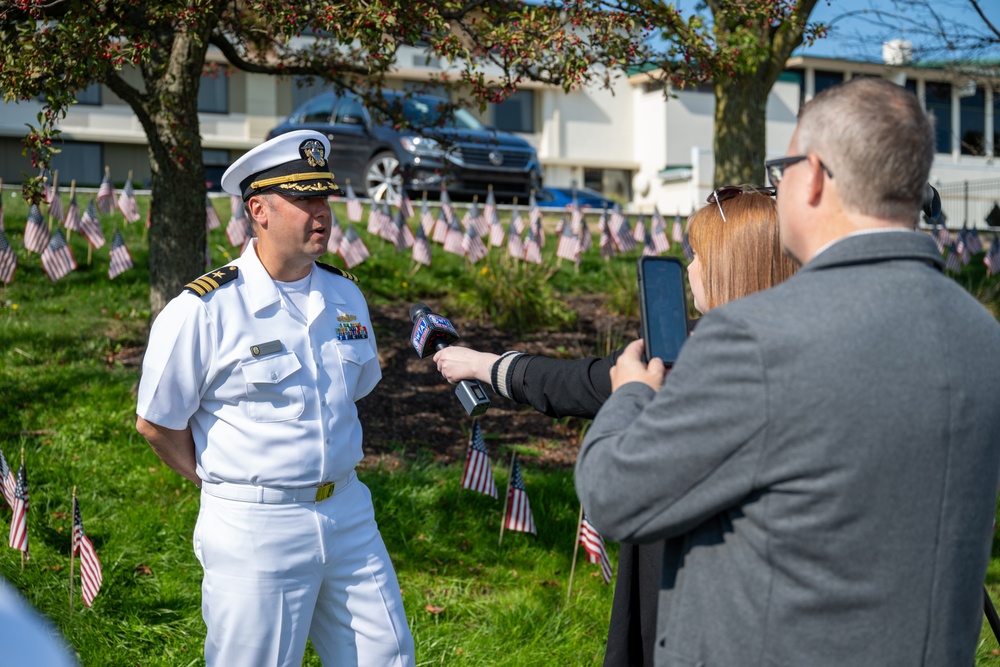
(352, 331)
(270, 347)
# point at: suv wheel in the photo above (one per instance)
(383, 180)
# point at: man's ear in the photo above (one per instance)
(257, 208)
(817, 179)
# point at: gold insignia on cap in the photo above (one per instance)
(313, 153)
(287, 181)
(346, 318)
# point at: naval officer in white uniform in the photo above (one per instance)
(248, 390)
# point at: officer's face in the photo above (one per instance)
(296, 225)
(292, 232)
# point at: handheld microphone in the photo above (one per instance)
(431, 333)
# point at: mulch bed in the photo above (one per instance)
(413, 411)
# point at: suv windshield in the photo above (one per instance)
(428, 112)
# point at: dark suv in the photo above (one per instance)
(379, 159)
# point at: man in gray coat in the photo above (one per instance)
(823, 458)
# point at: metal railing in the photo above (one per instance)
(969, 203)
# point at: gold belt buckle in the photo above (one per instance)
(324, 491)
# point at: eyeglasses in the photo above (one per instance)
(727, 192)
(776, 168)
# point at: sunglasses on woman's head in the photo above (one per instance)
(727, 192)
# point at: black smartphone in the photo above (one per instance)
(662, 307)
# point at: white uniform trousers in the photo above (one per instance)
(276, 574)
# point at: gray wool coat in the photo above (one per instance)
(823, 460)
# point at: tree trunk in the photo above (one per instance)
(740, 129)
(168, 112)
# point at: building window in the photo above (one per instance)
(938, 96)
(213, 92)
(615, 183)
(516, 113)
(996, 122)
(79, 161)
(972, 123)
(91, 95)
(823, 80)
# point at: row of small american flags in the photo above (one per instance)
(478, 476)
(14, 489)
(480, 228)
(961, 248)
(46, 239)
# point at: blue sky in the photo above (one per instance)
(854, 36)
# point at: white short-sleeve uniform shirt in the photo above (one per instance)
(269, 391)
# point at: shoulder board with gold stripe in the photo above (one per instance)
(212, 279)
(339, 272)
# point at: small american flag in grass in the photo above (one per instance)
(473, 245)
(336, 233)
(91, 577)
(449, 210)
(72, 219)
(515, 246)
(659, 233)
(532, 251)
(453, 242)
(211, 216)
(121, 260)
(607, 245)
(238, 227)
(90, 226)
(688, 250)
(426, 216)
(516, 221)
(352, 249)
(593, 547)
(569, 245)
(992, 258)
(19, 524)
(519, 516)
(127, 203)
(106, 195)
(402, 237)
(639, 231)
(490, 207)
(36, 232)
(57, 260)
(478, 475)
(496, 230)
(8, 483)
(354, 208)
(421, 247)
(404, 205)
(440, 227)
(8, 260)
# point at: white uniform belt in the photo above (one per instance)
(272, 495)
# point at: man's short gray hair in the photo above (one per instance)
(876, 140)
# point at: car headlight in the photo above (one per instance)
(422, 146)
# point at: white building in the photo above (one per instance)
(631, 142)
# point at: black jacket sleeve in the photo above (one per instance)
(556, 387)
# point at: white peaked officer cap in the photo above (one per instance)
(293, 164)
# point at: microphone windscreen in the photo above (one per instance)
(418, 309)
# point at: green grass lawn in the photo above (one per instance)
(69, 405)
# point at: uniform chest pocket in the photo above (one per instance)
(274, 388)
